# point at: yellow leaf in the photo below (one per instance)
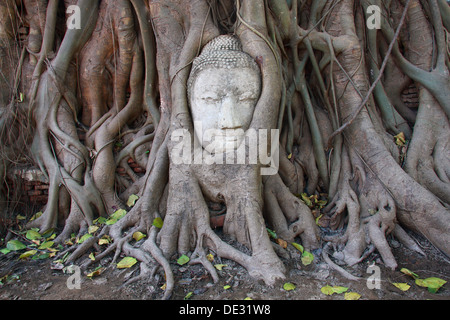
(132, 200)
(92, 229)
(27, 254)
(126, 262)
(307, 258)
(163, 287)
(288, 286)
(328, 290)
(91, 256)
(138, 235)
(96, 272)
(210, 257)
(352, 296)
(220, 266)
(297, 246)
(402, 286)
(400, 139)
(409, 273)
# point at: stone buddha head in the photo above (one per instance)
(223, 88)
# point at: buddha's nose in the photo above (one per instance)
(229, 117)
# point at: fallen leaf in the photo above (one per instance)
(210, 257)
(104, 240)
(96, 272)
(92, 256)
(297, 246)
(5, 251)
(183, 260)
(92, 229)
(27, 254)
(409, 273)
(306, 199)
(126, 262)
(307, 258)
(15, 245)
(33, 235)
(272, 234)
(138, 235)
(282, 243)
(400, 139)
(189, 294)
(116, 216)
(158, 222)
(36, 215)
(352, 296)
(220, 266)
(402, 286)
(132, 200)
(227, 287)
(338, 289)
(328, 290)
(432, 284)
(318, 218)
(46, 245)
(288, 286)
(84, 238)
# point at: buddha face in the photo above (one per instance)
(222, 103)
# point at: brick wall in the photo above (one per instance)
(28, 186)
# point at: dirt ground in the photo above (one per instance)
(36, 280)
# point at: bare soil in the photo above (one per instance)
(36, 280)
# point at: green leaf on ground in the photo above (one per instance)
(272, 234)
(288, 286)
(329, 290)
(47, 245)
(188, 296)
(5, 251)
(15, 245)
(158, 222)
(27, 254)
(183, 260)
(33, 235)
(432, 284)
(84, 238)
(339, 289)
(126, 262)
(307, 258)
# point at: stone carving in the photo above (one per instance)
(223, 89)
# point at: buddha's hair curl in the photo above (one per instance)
(224, 52)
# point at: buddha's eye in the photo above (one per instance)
(247, 98)
(209, 99)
